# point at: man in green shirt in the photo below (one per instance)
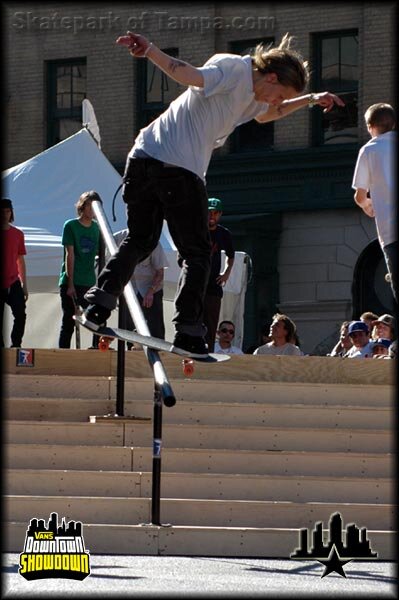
(80, 238)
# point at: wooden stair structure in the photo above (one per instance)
(254, 450)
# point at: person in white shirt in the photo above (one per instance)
(282, 332)
(224, 344)
(148, 282)
(374, 182)
(165, 170)
(359, 334)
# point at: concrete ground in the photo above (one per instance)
(171, 576)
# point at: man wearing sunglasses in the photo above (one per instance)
(226, 334)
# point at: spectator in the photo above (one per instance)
(380, 348)
(220, 240)
(393, 349)
(360, 337)
(80, 238)
(368, 318)
(282, 330)
(344, 343)
(384, 327)
(374, 175)
(147, 281)
(14, 289)
(226, 333)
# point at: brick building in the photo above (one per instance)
(286, 186)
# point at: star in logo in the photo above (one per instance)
(334, 563)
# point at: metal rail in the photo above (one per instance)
(162, 388)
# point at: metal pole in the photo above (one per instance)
(120, 367)
(133, 304)
(162, 387)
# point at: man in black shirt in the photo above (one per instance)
(220, 240)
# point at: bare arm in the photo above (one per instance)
(156, 282)
(364, 202)
(69, 268)
(22, 274)
(324, 99)
(176, 69)
(222, 279)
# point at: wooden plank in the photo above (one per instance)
(309, 369)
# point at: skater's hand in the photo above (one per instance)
(137, 44)
(25, 291)
(327, 100)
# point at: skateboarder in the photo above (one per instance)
(165, 170)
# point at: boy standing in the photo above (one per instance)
(374, 175)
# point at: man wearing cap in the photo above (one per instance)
(220, 240)
(14, 290)
(358, 332)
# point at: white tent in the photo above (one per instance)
(44, 191)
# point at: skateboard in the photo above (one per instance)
(107, 334)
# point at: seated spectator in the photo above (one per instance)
(344, 343)
(393, 350)
(360, 337)
(384, 327)
(226, 332)
(368, 317)
(282, 330)
(380, 347)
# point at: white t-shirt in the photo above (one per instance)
(364, 352)
(231, 350)
(201, 119)
(374, 171)
(285, 350)
(143, 274)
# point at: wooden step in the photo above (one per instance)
(291, 488)
(207, 413)
(201, 436)
(193, 541)
(188, 460)
(247, 392)
(198, 512)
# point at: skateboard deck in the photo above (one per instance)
(150, 342)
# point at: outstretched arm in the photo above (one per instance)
(324, 99)
(180, 71)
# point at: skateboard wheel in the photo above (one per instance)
(188, 367)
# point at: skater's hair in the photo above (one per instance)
(289, 325)
(381, 116)
(84, 198)
(289, 66)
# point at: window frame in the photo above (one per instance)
(317, 132)
(145, 110)
(54, 114)
(235, 146)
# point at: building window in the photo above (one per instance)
(155, 90)
(336, 69)
(251, 136)
(66, 89)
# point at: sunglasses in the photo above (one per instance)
(224, 330)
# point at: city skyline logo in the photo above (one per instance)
(334, 554)
(54, 551)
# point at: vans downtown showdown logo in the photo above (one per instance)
(55, 551)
